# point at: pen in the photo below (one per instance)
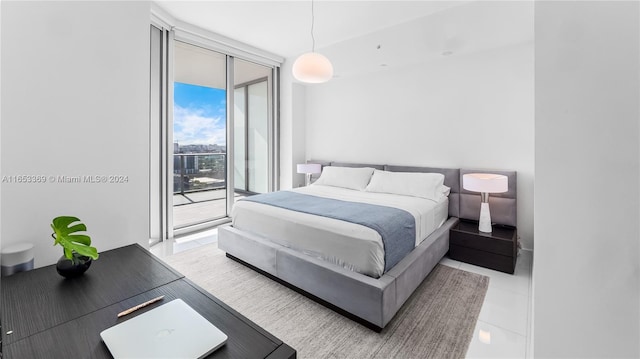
(133, 309)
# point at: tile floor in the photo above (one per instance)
(183, 243)
(503, 328)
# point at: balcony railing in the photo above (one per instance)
(194, 172)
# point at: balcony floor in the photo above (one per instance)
(198, 207)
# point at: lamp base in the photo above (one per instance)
(485, 218)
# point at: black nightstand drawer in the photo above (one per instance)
(483, 243)
(499, 262)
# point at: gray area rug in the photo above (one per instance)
(436, 322)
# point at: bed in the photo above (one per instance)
(263, 238)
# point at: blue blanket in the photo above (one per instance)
(396, 226)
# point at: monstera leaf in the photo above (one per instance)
(65, 234)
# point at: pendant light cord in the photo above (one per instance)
(313, 39)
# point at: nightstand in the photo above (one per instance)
(496, 250)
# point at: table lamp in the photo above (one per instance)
(308, 169)
(485, 183)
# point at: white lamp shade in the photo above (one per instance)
(312, 68)
(309, 168)
(485, 182)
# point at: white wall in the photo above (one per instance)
(470, 111)
(292, 128)
(286, 127)
(586, 263)
(299, 134)
(75, 90)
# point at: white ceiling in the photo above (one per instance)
(349, 32)
(284, 27)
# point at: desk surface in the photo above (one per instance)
(54, 317)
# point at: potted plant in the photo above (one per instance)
(77, 250)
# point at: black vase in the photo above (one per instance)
(70, 269)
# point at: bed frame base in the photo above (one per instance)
(318, 300)
(373, 302)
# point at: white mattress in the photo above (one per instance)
(349, 245)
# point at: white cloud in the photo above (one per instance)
(192, 126)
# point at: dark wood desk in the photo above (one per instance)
(53, 317)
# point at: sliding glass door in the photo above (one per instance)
(199, 135)
(252, 127)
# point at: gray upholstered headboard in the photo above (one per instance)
(462, 203)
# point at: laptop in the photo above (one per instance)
(172, 330)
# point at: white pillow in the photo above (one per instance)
(346, 177)
(416, 184)
(445, 190)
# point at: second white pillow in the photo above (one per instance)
(416, 184)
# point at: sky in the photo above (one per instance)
(199, 115)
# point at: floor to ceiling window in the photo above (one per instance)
(209, 145)
(158, 229)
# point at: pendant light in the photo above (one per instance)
(312, 67)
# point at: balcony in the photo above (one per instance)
(199, 188)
